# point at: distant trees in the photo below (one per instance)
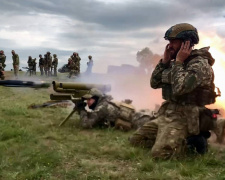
(147, 60)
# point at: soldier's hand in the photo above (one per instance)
(167, 55)
(80, 105)
(184, 52)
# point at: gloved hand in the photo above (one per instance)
(80, 106)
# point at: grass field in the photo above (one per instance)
(33, 147)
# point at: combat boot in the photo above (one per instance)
(220, 130)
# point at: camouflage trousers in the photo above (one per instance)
(42, 70)
(219, 130)
(166, 135)
(47, 71)
(16, 70)
(55, 70)
(73, 72)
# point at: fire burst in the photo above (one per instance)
(216, 45)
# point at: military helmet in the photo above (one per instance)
(40, 55)
(13, 51)
(183, 31)
(93, 92)
(48, 52)
(54, 55)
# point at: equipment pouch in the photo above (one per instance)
(206, 120)
(126, 111)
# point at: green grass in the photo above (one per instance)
(33, 147)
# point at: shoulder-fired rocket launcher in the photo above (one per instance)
(74, 92)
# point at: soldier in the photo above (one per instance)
(2, 59)
(2, 76)
(34, 66)
(48, 61)
(45, 65)
(73, 68)
(16, 62)
(89, 65)
(186, 78)
(76, 58)
(41, 64)
(55, 64)
(30, 65)
(103, 113)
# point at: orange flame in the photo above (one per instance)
(216, 49)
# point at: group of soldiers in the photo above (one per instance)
(47, 64)
(31, 65)
(182, 123)
(74, 65)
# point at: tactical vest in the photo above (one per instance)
(125, 115)
(200, 96)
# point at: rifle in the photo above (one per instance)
(74, 92)
(19, 83)
(51, 104)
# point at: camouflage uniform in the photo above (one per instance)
(41, 65)
(141, 117)
(2, 59)
(45, 65)
(76, 58)
(73, 68)
(55, 64)
(16, 62)
(48, 64)
(34, 66)
(186, 88)
(30, 65)
(103, 114)
(109, 113)
(2, 76)
(219, 130)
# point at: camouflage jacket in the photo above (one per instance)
(30, 62)
(76, 59)
(16, 60)
(2, 60)
(103, 115)
(55, 62)
(48, 61)
(72, 66)
(41, 61)
(183, 79)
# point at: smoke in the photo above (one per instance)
(128, 82)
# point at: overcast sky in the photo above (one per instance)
(112, 31)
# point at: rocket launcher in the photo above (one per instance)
(74, 92)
